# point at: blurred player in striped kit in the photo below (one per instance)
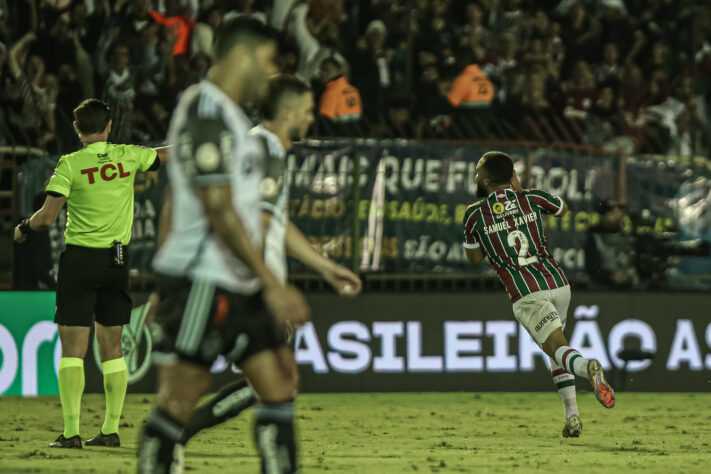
(506, 227)
(288, 112)
(217, 296)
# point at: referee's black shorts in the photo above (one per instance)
(197, 321)
(89, 284)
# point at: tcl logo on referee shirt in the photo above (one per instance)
(107, 172)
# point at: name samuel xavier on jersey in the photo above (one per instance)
(504, 225)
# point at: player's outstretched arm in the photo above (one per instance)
(162, 152)
(345, 282)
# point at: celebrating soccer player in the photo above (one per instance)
(506, 226)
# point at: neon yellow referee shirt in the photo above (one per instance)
(98, 183)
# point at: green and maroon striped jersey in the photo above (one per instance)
(507, 226)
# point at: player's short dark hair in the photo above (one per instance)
(242, 30)
(281, 87)
(499, 166)
(92, 116)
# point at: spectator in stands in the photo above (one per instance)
(4, 28)
(617, 27)
(178, 22)
(659, 59)
(280, 12)
(88, 27)
(399, 119)
(340, 101)
(434, 112)
(437, 36)
(535, 115)
(471, 95)
(372, 76)
(119, 94)
(609, 71)
(580, 92)
(471, 89)
(605, 126)
(35, 92)
(5, 78)
(56, 47)
(474, 31)
(580, 33)
(529, 60)
(133, 17)
(204, 31)
(317, 38)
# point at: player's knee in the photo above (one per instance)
(74, 348)
(553, 342)
(282, 392)
(75, 351)
(110, 352)
(180, 387)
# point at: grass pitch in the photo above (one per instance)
(391, 433)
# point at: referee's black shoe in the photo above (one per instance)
(73, 443)
(111, 440)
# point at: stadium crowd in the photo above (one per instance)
(622, 75)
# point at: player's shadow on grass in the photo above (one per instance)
(620, 449)
(129, 451)
(192, 454)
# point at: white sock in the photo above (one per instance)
(572, 361)
(565, 383)
(570, 403)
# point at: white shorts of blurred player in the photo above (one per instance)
(543, 312)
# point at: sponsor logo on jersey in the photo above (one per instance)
(498, 208)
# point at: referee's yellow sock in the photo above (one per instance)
(71, 387)
(115, 383)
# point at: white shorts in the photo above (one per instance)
(543, 312)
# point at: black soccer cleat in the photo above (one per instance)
(72, 443)
(110, 440)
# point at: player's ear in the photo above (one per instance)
(107, 130)
(76, 127)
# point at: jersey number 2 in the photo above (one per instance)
(523, 258)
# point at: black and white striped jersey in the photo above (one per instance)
(275, 200)
(211, 146)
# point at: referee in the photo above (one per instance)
(96, 182)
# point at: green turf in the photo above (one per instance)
(389, 433)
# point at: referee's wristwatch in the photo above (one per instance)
(25, 226)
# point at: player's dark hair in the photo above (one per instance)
(280, 88)
(92, 116)
(499, 167)
(242, 30)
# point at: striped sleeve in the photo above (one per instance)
(470, 217)
(545, 201)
